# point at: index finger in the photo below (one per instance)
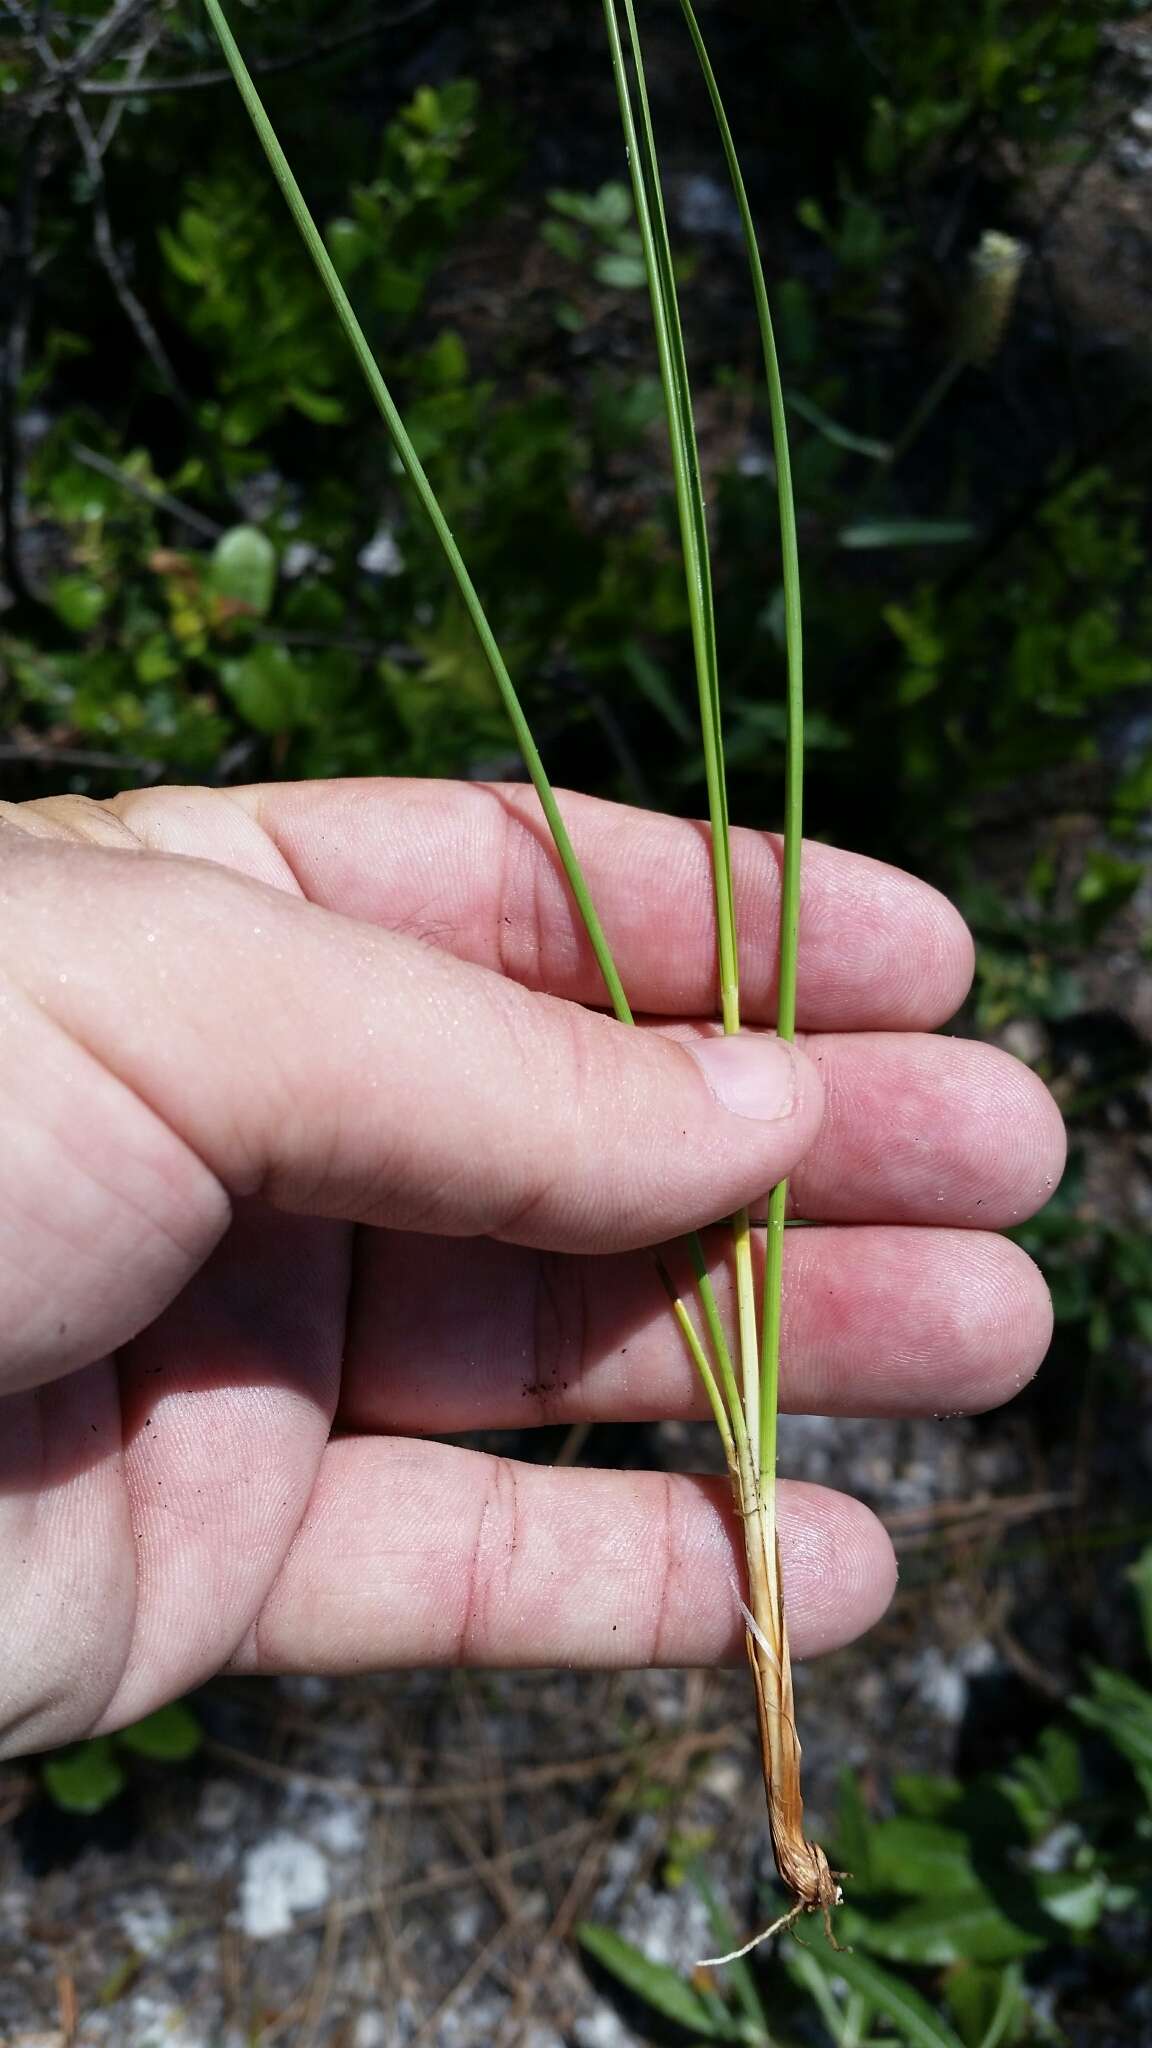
(471, 869)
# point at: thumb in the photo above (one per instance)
(201, 1036)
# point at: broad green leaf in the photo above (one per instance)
(169, 1735)
(79, 601)
(921, 1858)
(613, 206)
(564, 239)
(268, 688)
(86, 1778)
(1074, 1898)
(244, 569)
(349, 245)
(621, 271)
(970, 1928)
(320, 406)
(854, 1832)
(661, 1988)
(911, 2015)
(906, 533)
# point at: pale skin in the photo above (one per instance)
(317, 1145)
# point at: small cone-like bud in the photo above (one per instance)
(995, 267)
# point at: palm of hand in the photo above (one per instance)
(243, 1477)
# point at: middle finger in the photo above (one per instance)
(879, 1320)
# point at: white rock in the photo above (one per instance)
(464, 1924)
(342, 1829)
(147, 1922)
(708, 208)
(155, 2022)
(670, 1927)
(603, 2030)
(221, 1803)
(282, 1876)
(381, 556)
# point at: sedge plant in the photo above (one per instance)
(740, 1370)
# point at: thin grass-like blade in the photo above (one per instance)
(414, 469)
(640, 143)
(652, 222)
(801, 1863)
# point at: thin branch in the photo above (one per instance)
(150, 494)
(36, 754)
(100, 45)
(138, 57)
(16, 319)
(316, 52)
(110, 260)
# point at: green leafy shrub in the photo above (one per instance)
(87, 1776)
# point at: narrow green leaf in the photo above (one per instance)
(911, 2015)
(740, 1978)
(810, 1977)
(651, 218)
(414, 469)
(984, 2001)
(767, 1400)
(661, 1988)
(652, 682)
(832, 431)
(907, 533)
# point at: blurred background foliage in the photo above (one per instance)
(212, 570)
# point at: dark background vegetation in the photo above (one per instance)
(212, 572)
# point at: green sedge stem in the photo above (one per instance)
(652, 223)
(414, 469)
(794, 745)
(700, 1360)
(719, 1342)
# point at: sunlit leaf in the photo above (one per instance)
(661, 1988)
(243, 568)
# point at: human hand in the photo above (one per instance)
(312, 1147)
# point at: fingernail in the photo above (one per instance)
(749, 1076)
